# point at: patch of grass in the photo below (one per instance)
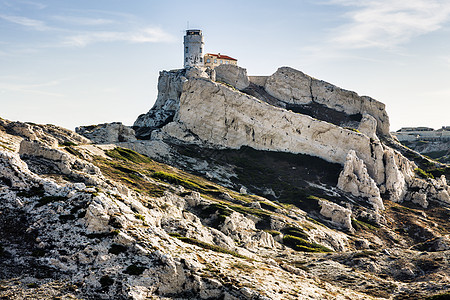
(74, 152)
(139, 217)
(294, 231)
(300, 244)
(127, 155)
(117, 249)
(268, 206)
(421, 173)
(361, 225)
(352, 129)
(49, 199)
(207, 246)
(175, 179)
(134, 270)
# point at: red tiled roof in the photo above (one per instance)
(221, 56)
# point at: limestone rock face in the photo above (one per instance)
(355, 179)
(218, 115)
(338, 214)
(399, 172)
(232, 75)
(295, 87)
(49, 134)
(107, 133)
(170, 86)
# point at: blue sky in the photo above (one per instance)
(84, 62)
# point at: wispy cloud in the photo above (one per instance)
(145, 35)
(34, 4)
(83, 21)
(388, 23)
(34, 88)
(26, 22)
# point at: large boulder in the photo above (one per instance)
(107, 133)
(232, 75)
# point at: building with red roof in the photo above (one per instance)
(213, 60)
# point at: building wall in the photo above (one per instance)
(213, 61)
(193, 48)
(421, 133)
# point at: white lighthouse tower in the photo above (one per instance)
(193, 48)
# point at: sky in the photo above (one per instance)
(85, 62)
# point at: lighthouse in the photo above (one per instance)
(193, 48)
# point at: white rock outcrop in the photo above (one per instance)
(293, 86)
(355, 179)
(338, 214)
(107, 133)
(232, 75)
(218, 115)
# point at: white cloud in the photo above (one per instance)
(389, 23)
(26, 22)
(145, 35)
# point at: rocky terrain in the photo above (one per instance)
(230, 187)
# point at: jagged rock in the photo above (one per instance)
(338, 214)
(107, 133)
(170, 86)
(232, 75)
(50, 135)
(355, 179)
(368, 126)
(14, 172)
(61, 162)
(396, 180)
(295, 87)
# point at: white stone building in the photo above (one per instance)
(411, 134)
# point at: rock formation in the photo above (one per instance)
(246, 183)
(107, 133)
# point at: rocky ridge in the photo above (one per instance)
(238, 197)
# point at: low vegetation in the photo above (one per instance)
(300, 244)
(421, 173)
(207, 246)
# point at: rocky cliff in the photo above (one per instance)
(246, 190)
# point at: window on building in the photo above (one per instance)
(201, 59)
(215, 61)
(208, 60)
(186, 59)
(226, 62)
(186, 49)
(221, 61)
